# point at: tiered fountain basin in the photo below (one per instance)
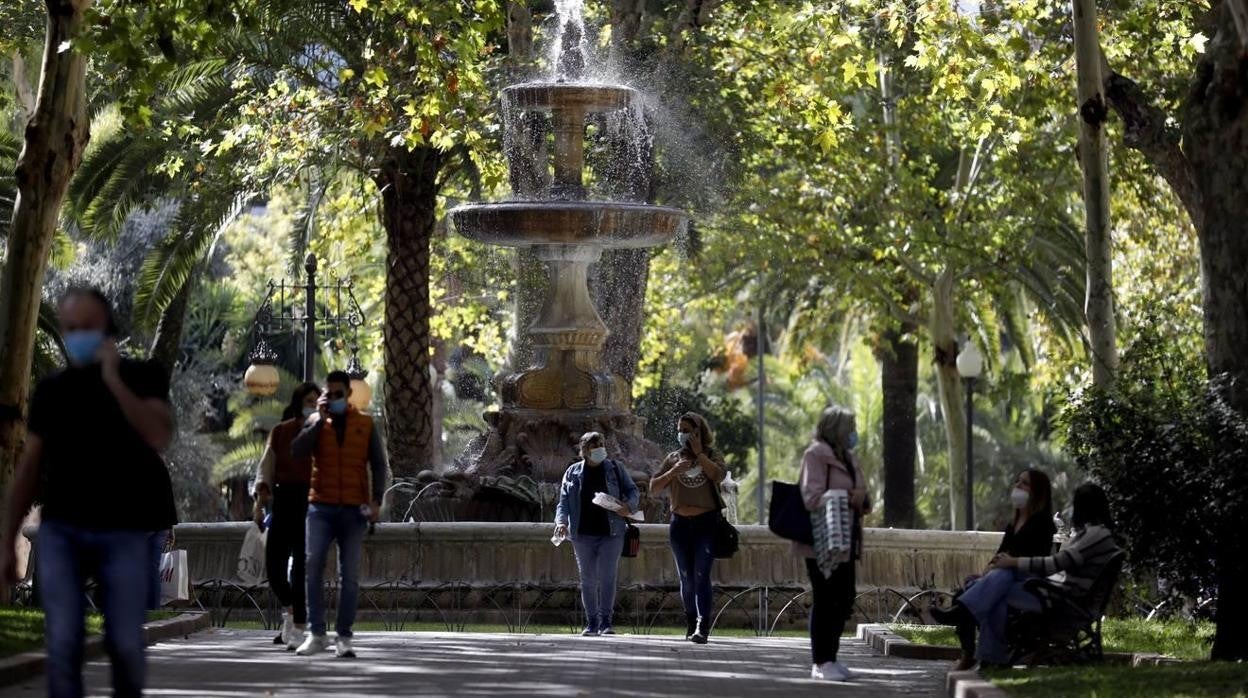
(586, 97)
(602, 224)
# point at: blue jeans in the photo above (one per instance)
(990, 599)
(328, 523)
(691, 538)
(120, 562)
(597, 559)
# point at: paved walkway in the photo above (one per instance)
(243, 663)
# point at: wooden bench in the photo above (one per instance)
(1067, 629)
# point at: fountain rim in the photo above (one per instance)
(602, 97)
(573, 204)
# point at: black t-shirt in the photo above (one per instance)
(97, 472)
(593, 517)
(1034, 539)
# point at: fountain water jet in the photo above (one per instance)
(513, 471)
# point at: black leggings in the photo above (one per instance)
(286, 541)
(832, 608)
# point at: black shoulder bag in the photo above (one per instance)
(725, 542)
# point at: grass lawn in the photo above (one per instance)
(1168, 681)
(622, 628)
(21, 629)
(1178, 639)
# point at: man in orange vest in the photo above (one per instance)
(348, 481)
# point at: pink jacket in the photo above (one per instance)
(823, 471)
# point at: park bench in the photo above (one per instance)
(1067, 629)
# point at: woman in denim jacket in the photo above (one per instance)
(597, 534)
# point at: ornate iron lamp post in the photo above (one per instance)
(344, 314)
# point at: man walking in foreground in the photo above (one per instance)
(348, 481)
(92, 458)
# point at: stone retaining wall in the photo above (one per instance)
(477, 570)
(484, 553)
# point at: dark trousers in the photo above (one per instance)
(691, 538)
(832, 608)
(285, 549)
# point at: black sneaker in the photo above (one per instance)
(278, 640)
(691, 624)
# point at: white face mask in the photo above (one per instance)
(598, 455)
(1019, 497)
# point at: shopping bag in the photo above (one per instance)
(175, 578)
(251, 570)
(632, 542)
(788, 517)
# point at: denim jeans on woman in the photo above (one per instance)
(989, 599)
(691, 538)
(328, 523)
(597, 559)
(120, 562)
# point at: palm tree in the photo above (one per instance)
(125, 170)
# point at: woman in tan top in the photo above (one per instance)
(689, 474)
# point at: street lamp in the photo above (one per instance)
(343, 313)
(261, 378)
(970, 366)
(361, 392)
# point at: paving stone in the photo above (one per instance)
(244, 663)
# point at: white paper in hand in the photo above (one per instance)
(610, 503)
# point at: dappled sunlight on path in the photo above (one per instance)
(243, 663)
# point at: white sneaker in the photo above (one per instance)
(297, 634)
(342, 648)
(288, 629)
(315, 644)
(846, 674)
(827, 672)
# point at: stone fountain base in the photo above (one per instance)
(513, 471)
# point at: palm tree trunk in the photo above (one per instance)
(408, 184)
(899, 373)
(55, 139)
(167, 344)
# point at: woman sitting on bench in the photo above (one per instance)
(1074, 568)
(1029, 534)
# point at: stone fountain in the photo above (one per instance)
(513, 471)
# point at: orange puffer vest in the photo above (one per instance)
(340, 471)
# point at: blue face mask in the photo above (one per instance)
(853, 439)
(683, 437)
(83, 345)
(338, 406)
(307, 412)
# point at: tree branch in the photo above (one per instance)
(1147, 131)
